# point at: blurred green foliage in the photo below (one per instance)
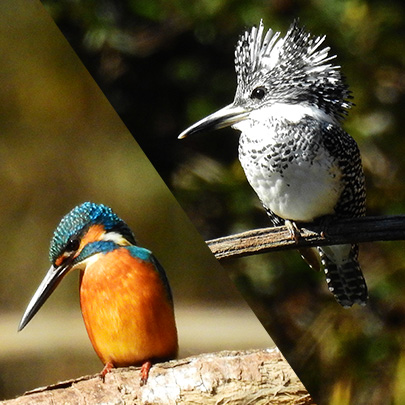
(164, 65)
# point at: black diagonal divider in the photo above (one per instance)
(62, 144)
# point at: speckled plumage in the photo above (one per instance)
(295, 69)
(289, 104)
(298, 159)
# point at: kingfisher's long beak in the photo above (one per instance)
(224, 117)
(51, 280)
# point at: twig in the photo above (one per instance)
(365, 229)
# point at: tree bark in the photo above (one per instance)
(354, 230)
(231, 377)
(259, 377)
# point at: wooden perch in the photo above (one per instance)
(365, 229)
(260, 376)
(231, 377)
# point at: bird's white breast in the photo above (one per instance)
(296, 184)
(302, 192)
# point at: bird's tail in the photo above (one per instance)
(343, 274)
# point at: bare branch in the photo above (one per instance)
(365, 229)
(256, 376)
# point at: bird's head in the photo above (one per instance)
(87, 225)
(275, 71)
(89, 229)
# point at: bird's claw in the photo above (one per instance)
(107, 368)
(293, 230)
(145, 372)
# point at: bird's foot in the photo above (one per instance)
(308, 254)
(293, 230)
(107, 368)
(324, 222)
(145, 372)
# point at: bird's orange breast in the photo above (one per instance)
(126, 309)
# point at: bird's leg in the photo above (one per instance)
(308, 254)
(145, 372)
(293, 230)
(325, 222)
(107, 368)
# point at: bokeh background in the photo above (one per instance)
(61, 143)
(163, 65)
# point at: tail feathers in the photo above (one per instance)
(343, 274)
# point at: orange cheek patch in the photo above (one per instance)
(94, 234)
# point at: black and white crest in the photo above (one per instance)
(294, 69)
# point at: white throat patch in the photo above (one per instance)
(293, 113)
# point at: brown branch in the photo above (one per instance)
(259, 376)
(365, 229)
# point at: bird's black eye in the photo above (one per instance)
(72, 245)
(258, 93)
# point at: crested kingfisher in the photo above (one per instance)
(289, 105)
(125, 297)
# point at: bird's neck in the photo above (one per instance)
(270, 122)
(271, 115)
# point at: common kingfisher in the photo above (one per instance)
(125, 297)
